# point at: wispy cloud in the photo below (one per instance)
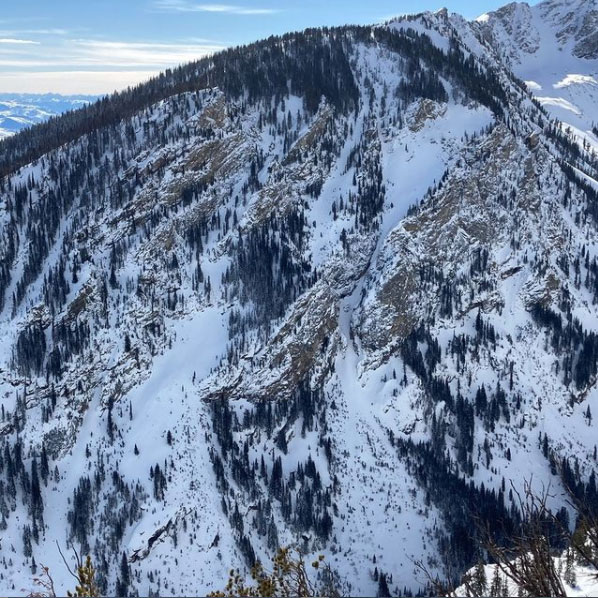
(186, 6)
(81, 54)
(67, 59)
(90, 65)
(86, 82)
(29, 19)
(135, 54)
(21, 42)
(53, 31)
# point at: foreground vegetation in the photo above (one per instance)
(529, 566)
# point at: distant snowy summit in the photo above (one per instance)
(553, 47)
(18, 111)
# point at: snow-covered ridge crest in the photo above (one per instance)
(295, 308)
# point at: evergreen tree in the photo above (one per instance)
(383, 590)
(479, 581)
(569, 573)
(496, 587)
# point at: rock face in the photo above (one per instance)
(553, 47)
(260, 302)
(587, 37)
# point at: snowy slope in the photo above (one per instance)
(580, 580)
(342, 312)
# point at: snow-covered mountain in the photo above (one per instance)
(18, 111)
(553, 47)
(336, 288)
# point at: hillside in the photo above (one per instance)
(335, 288)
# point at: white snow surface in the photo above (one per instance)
(584, 580)
(436, 156)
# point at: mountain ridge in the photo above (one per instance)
(260, 314)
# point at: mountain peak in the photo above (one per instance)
(332, 289)
(552, 46)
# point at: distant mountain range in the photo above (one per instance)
(18, 111)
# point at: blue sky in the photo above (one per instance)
(96, 46)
